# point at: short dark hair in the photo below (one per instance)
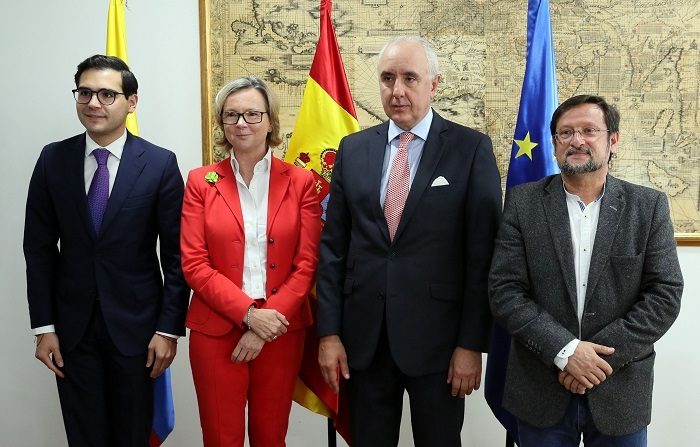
(101, 62)
(612, 116)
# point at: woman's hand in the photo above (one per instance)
(248, 348)
(268, 324)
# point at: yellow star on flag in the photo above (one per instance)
(525, 146)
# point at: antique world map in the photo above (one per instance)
(641, 55)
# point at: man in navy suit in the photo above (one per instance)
(403, 303)
(106, 321)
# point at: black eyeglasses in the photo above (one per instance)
(250, 117)
(587, 133)
(104, 95)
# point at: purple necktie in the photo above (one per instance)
(98, 194)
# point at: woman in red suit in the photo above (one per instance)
(250, 232)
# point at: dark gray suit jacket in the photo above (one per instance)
(633, 297)
(432, 279)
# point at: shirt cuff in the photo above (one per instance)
(44, 329)
(562, 358)
(165, 334)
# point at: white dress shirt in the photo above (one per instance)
(583, 221)
(415, 150)
(253, 200)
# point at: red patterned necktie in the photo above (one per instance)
(98, 194)
(397, 188)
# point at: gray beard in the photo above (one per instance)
(589, 166)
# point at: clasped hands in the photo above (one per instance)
(264, 326)
(586, 368)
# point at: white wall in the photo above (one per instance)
(40, 45)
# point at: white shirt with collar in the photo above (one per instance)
(254, 200)
(415, 150)
(583, 221)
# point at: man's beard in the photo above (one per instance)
(589, 166)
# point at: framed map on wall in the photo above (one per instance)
(643, 56)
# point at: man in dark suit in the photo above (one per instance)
(404, 260)
(106, 321)
(585, 277)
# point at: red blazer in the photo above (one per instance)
(212, 242)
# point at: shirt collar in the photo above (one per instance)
(115, 148)
(420, 130)
(262, 166)
(577, 198)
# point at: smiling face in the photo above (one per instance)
(406, 85)
(250, 139)
(104, 123)
(582, 156)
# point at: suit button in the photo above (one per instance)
(380, 297)
(274, 290)
(271, 241)
(272, 265)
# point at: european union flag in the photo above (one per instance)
(532, 157)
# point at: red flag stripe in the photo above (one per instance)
(327, 68)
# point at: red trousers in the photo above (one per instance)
(223, 388)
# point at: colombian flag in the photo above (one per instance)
(326, 115)
(163, 408)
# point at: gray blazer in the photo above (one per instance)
(633, 297)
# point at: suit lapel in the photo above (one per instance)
(376, 151)
(228, 189)
(75, 178)
(557, 213)
(611, 208)
(279, 182)
(432, 152)
(130, 167)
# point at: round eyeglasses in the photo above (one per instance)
(587, 133)
(104, 95)
(250, 117)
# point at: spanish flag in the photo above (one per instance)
(163, 408)
(326, 115)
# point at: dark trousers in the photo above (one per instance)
(375, 400)
(106, 397)
(576, 423)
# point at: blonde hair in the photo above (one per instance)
(272, 106)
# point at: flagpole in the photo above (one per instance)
(331, 433)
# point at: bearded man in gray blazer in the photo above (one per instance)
(585, 277)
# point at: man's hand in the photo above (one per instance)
(161, 352)
(247, 348)
(48, 352)
(465, 371)
(268, 324)
(331, 356)
(587, 366)
(571, 384)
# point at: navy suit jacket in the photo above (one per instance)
(70, 267)
(429, 284)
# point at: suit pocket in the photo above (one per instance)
(348, 285)
(137, 201)
(445, 292)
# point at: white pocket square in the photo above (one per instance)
(440, 181)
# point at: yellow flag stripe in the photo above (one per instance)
(321, 124)
(307, 399)
(116, 46)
